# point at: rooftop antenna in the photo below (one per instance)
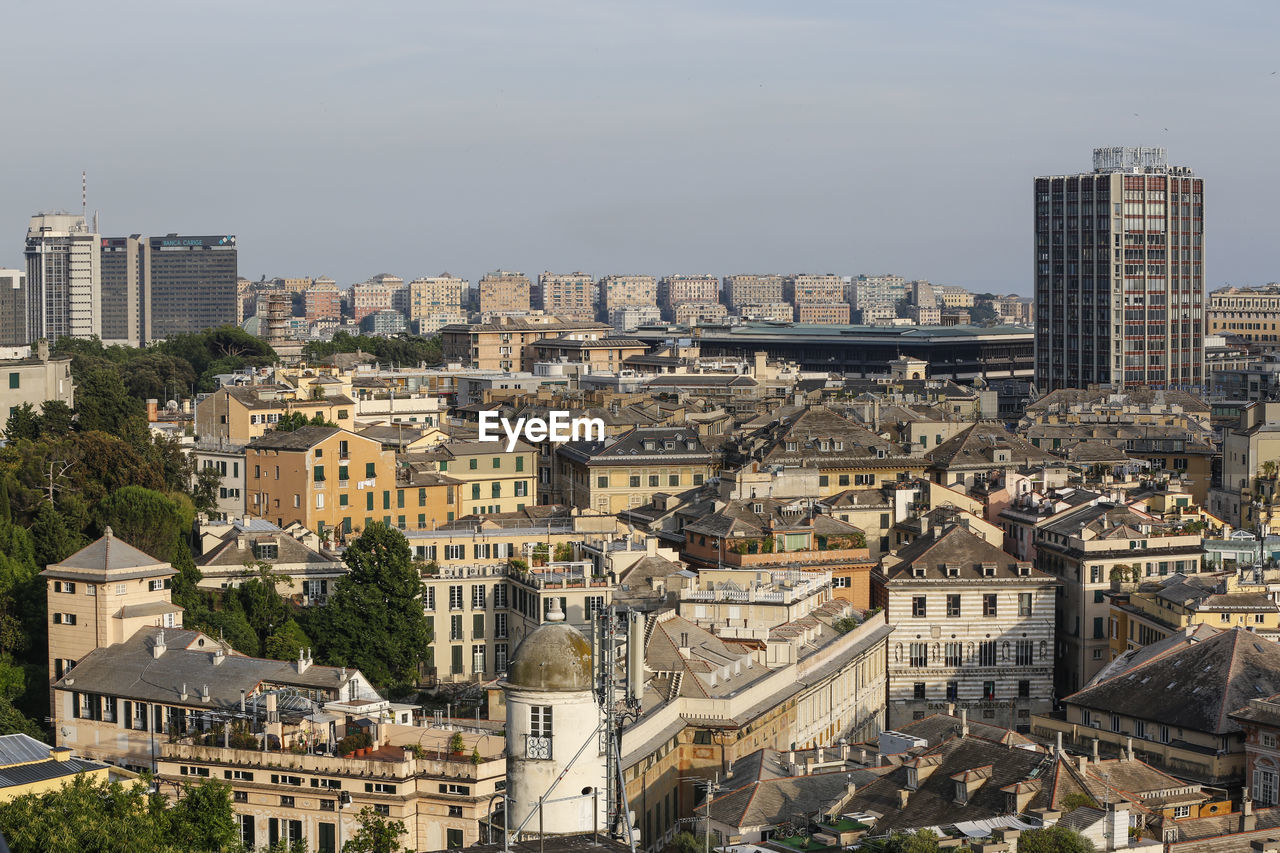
(84, 194)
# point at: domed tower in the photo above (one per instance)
(552, 714)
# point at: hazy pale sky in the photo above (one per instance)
(350, 139)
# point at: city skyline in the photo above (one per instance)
(725, 139)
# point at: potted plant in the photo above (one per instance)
(475, 755)
(456, 744)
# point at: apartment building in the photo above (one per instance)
(505, 344)
(321, 301)
(572, 295)
(626, 471)
(489, 479)
(693, 313)
(744, 290)
(677, 290)
(479, 614)
(975, 631)
(622, 291)
(603, 354)
(877, 291)
(306, 476)
(825, 289)
(953, 296)
(628, 317)
(1145, 613)
(1087, 548)
(236, 414)
(776, 312)
(503, 292)
(777, 534)
(1252, 313)
(436, 301)
(1246, 447)
(35, 379)
(822, 313)
(846, 454)
(378, 294)
(231, 550)
(1174, 704)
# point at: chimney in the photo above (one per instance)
(903, 796)
(1060, 752)
(303, 663)
(1082, 762)
(42, 353)
(862, 756)
(183, 694)
(1248, 820)
(1128, 748)
(219, 655)
(204, 693)
(60, 753)
(159, 648)
(1095, 751)
(951, 709)
(964, 722)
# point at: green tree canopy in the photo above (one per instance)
(376, 834)
(374, 620)
(1054, 839)
(146, 519)
(287, 641)
(95, 816)
(23, 422)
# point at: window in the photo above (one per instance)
(156, 584)
(1164, 735)
(14, 380)
(64, 619)
(1264, 787)
(455, 596)
(953, 605)
(919, 607)
(697, 479)
(918, 692)
(378, 808)
(240, 797)
(455, 627)
(194, 771)
(988, 689)
(634, 481)
(238, 775)
(989, 605)
(454, 552)
(1024, 689)
(370, 470)
(840, 583)
(500, 595)
(64, 586)
(954, 654)
(1022, 652)
(540, 721)
(379, 788)
(1024, 604)
(475, 491)
(319, 473)
(1181, 811)
(1268, 740)
(286, 801)
(919, 654)
(953, 690)
(279, 779)
(987, 653)
(673, 479)
(500, 626)
(519, 464)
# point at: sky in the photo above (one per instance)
(349, 139)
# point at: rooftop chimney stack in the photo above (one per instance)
(159, 648)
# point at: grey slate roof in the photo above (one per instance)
(109, 555)
(129, 670)
(1193, 686)
(302, 438)
(956, 546)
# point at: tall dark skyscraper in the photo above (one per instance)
(121, 271)
(189, 284)
(1119, 274)
(155, 287)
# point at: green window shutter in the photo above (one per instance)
(370, 470)
(368, 501)
(475, 491)
(386, 499)
(319, 473)
(477, 626)
(343, 473)
(497, 462)
(519, 463)
(444, 465)
(475, 463)
(399, 498)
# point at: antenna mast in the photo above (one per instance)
(84, 194)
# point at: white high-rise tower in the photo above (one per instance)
(64, 281)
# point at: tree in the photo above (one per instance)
(376, 834)
(845, 624)
(204, 491)
(55, 419)
(923, 841)
(1054, 839)
(102, 401)
(286, 642)
(23, 422)
(54, 541)
(374, 620)
(687, 842)
(145, 518)
(96, 816)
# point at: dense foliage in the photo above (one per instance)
(404, 350)
(374, 621)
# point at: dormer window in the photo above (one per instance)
(1024, 570)
(650, 444)
(988, 570)
(668, 445)
(880, 454)
(839, 445)
(951, 570)
(791, 446)
(917, 571)
(757, 508)
(691, 445)
(823, 444)
(266, 551)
